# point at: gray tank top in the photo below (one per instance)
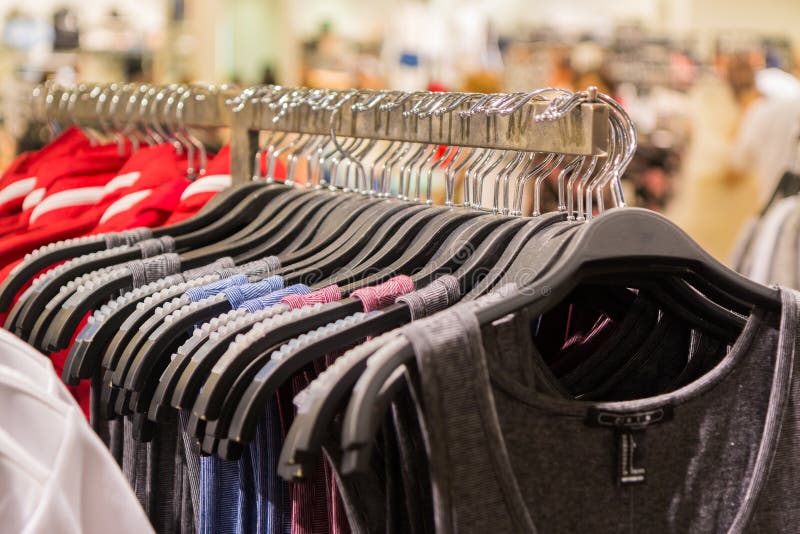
(716, 455)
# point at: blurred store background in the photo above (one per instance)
(710, 83)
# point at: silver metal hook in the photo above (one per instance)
(571, 168)
(431, 168)
(178, 100)
(449, 179)
(604, 171)
(470, 194)
(475, 108)
(481, 177)
(571, 188)
(453, 170)
(416, 170)
(145, 92)
(388, 170)
(49, 104)
(504, 177)
(375, 186)
(100, 95)
(540, 178)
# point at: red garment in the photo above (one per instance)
(151, 166)
(9, 225)
(64, 188)
(150, 207)
(216, 178)
(19, 179)
(148, 171)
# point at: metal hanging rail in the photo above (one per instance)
(509, 122)
(101, 105)
(546, 120)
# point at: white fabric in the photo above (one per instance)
(18, 189)
(120, 181)
(33, 198)
(213, 183)
(16, 354)
(767, 238)
(777, 83)
(63, 199)
(97, 494)
(767, 143)
(66, 481)
(22, 484)
(124, 204)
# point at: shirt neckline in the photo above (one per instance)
(769, 436)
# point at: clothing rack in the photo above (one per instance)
(545, 120)
(362, 360)
(103, 105)
(521, 121)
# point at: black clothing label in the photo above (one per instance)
(629, 430)
(628, 420)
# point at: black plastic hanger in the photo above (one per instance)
(65, 319)
(185, 375)
(208, 403)
(86, 353)
(532, 227)
(462, 250)
(266, 223)
(417, 254)
(422, 247)
(26, 320)
(237, 217)
(138, 323)
(148, 358)
(358, 428)
(24, 313)
(134, 329)
(453, 253)
(220, 204)
(196, 349)
(398, 314)
(358, 239)
(392, 249)
(337, 219)
(133, 333)
(263, 381)
(310, 428)
(275, 373)
(486, 256)
(550, 241)
(155, 348)
(128, 340)
(346, 209)
(538, 253)
(408, 230)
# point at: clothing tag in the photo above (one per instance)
(630, 460)
(628, 420)
(629, 430)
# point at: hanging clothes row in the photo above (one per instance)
(332, 353)
(768, 248)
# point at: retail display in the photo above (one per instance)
(291, 337)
